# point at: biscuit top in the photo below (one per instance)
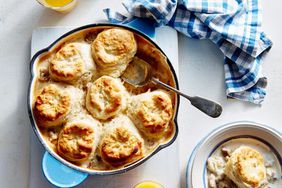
(76, 141)
(119, 146)
(67, 65)
(52, 104)
(106, 97)
(113, 45)
(151, 112)
(155, 112)
(247, 167)
(113, 50)
(250, 166)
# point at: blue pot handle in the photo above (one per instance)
(143, 25)
(59, 174)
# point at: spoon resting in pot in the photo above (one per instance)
(139, 73)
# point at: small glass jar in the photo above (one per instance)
(63, 6)
(148, 184)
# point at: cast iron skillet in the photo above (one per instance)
(35, 128)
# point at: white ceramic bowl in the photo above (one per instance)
(196, 168)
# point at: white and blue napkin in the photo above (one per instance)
(233, 25)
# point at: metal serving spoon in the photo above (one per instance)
(139, 73)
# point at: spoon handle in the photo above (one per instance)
(208, 107)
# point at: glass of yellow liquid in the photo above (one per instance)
(62, 6)
(148, 184)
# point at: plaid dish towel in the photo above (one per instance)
(233, 25)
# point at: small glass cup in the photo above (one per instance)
(63, 9)
(148, 184)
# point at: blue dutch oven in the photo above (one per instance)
(56, 169)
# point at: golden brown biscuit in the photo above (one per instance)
(76, 141)
(245, 168)
(51, 106)
(112, 50)
(106, 97)
(121, 143)
(151, 112)
(67, 64)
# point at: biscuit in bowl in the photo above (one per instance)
(76, 141)
(106, 97)
(52, 106)
(112, 50)
(121, 144)
(70, 62)
(151, 112)
(245, 168)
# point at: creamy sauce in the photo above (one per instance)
(78, 91)
(216, 163)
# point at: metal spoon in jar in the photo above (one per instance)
(139, 73)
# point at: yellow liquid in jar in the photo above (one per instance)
(148, 184)
(57, 3)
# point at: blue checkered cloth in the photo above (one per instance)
(233, 25)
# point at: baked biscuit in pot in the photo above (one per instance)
(76, 141)
(245, 168)
(52, 106)
(121, 143)
(112, 50)
(70, 62)
(106, 97)
(151, 112)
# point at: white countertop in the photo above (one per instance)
(201, 73)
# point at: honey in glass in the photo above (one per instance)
(63, 6)
(148, 184)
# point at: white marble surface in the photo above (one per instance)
(201, 72)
